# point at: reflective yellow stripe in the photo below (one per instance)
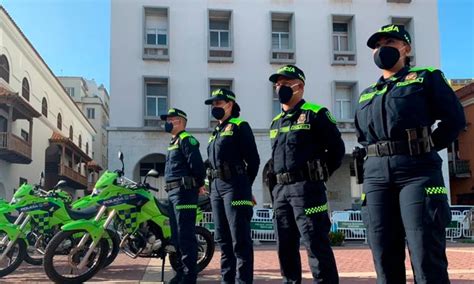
(186, 206)
(174, 147)
(242, 203)
(227, 133)
(316, 209)
(436, 190)
(212, 138)
(368, 96)
(273, 133)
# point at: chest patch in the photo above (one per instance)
(301, 118)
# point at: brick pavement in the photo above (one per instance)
(354, 263)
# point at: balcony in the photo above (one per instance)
(459, 169)
(72, 177)
(14, 149)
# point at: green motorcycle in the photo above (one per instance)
(41, 215)
(140, 219)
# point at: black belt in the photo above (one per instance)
(174, 184)
(226, 175)
(290, 177)
(390, 148)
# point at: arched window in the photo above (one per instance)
(25, 89)
(44, 107)
(4, 68)
(60, 122)
(80, 141)
(71, 133)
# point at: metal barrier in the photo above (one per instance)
(348, 222)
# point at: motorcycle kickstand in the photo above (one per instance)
(163, 268)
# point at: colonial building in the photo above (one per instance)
(41, 128)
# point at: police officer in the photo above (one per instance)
(234, 164)
(306, 149)
(184, 175)
(405, 196)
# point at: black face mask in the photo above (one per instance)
(284, 94)
(218, 112)
(168, 127)
(386, 57)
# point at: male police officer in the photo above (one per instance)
(306, 149)
(184, 175)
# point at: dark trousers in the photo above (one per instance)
(405, 201)
(300, 210)
(232, 212)
(183, 204)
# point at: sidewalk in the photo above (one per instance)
(354, 262)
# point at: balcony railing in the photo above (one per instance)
(460, 169)
(71, 174)
(14, 149)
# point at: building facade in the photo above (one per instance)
(461, 153)
(41, 128)
(174, 53)
(94, 102)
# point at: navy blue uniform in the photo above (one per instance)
(404, 189)
(306, 133)
(234, 158)
(184, 160)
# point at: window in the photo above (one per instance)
(70, 91)
(91, 113)
(80, 141)
(215, 84)
(282, 38)
(343, 40)
(220, 36)
(25, 89)
(44, 107)
(60, 122)
(345, 96)
(156, 34)
(25, 135)
(4, 68)
(87, 148)
(156, 100)
(3, 124)
(407, 23)
(71, 133)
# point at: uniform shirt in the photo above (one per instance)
(305, 133)
(233, 142)
(412, 98)
(184, 159)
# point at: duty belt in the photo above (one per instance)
(226, 173)
(290, 177)
(390, 148)
(187, 182)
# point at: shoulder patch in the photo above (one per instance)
(193, 141)
(237, 121)
(417, 69)
(312, 107)
(331, 117)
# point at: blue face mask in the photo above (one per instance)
(168, 127)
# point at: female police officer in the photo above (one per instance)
(404, 190)
(234, 165)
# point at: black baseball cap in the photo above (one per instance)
(173, 112)
(288, 71)
(221, 94)
(393, 31)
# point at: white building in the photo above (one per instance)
(41, 128)
(94, 102)
(173, 53)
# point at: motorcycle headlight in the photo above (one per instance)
(96, 191)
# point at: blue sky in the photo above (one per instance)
(73, 36)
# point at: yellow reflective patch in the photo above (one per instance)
(273, 133)
(227, 133)
(301, 127)
(368, 96)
